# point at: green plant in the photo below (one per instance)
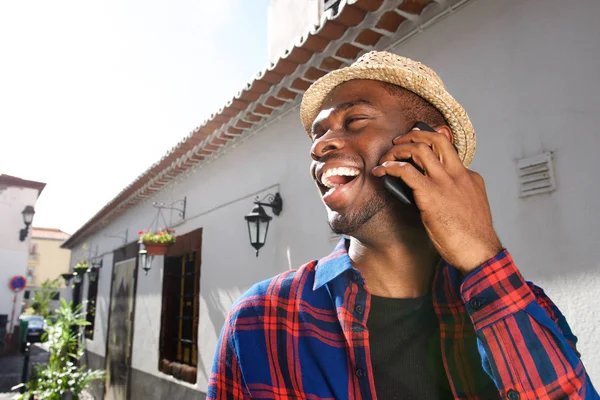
(166, 236)
(82, 262)
(61, 375)
(42, 298)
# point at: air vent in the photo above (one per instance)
(536, 175)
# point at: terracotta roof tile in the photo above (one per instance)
(272, 77)
(260, 109)
(348, 51)
(315, 44)
(368, 37)
(314, 73)
(299, 55)
(350, 15)
(390, 21)
(286, 94)
(371, 5)
(273, 102)
(300, 84)
(332, 31)
(330, 64)
(285, 67)
(234, 131)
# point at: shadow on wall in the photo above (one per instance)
(217, 312)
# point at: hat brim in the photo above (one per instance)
(431, 91)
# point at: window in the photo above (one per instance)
(180, 303)
(90, 315)
(26, 295)
(33, 253)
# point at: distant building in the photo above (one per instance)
(15, 195)
(47, 260)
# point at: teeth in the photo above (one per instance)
(340, 171)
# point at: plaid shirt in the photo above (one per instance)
(303, 335)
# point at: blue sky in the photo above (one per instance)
(93, 93)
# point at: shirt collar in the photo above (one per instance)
(330, 267)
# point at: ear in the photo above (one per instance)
(446, 131)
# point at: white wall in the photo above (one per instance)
(527, 74)
(526, 71)
(288, 20)
(13, 253)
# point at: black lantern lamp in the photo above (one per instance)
(258, 220)
(144, 260)
(67, 277)
(93, 272)
(28, 213)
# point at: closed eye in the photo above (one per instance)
(353, 123)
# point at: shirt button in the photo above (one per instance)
(359, 309)
(355, 276)
(475, 303)
(361, 373)
(513, 395)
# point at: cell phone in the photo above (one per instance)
(396, 186)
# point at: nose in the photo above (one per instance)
(327, 143)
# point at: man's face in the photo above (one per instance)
(354, 129)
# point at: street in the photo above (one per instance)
(11, 368)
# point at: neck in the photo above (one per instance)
(396, 262)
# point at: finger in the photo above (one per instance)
(405, 171)
(440, 145)
(422, 155)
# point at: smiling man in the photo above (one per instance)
(421, 301)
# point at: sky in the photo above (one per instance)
(94, 93)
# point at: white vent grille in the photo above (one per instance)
(536, 175)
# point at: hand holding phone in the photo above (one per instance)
(396, 186)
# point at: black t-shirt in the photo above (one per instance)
(404, 336)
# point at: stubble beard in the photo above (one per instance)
(352, 221)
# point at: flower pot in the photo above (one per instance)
(157, 249)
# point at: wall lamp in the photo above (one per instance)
(144, 260)
(258, 220)
(28, 213)
(93, 272)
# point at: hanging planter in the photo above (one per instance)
(157, 244)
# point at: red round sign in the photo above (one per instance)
(17, 283)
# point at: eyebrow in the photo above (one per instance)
(344, 107)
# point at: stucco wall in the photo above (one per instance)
(526, 71)
(51, 261)
(13, 252)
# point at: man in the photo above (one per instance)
(421, 301)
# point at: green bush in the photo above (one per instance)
(62, 375)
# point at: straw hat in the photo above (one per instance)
(404, 72)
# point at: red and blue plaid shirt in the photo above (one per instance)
(303, 335)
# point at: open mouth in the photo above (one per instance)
(335, 179)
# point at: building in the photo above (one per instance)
(47, 260)
(525, 70)
(16, 195)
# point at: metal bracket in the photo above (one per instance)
(120, 236)
(181, 210)
(274, 201)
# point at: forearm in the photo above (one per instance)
(520, 336)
